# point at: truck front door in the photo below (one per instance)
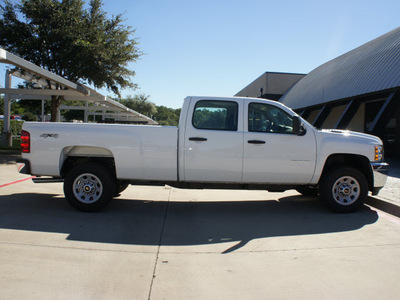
(213, 142)
(272, 152)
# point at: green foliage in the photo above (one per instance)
(163, 115)
(141, 104)
(33, 108)
(16, 145)
(15, 126)
(15, 109)
(210, 119)
(28, 116)
(167, 116)
(30, 110)
(73, 114)
(81, 45)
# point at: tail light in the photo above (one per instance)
(25, 142)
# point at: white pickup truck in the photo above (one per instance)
(230, 143)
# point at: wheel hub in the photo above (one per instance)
(87, 188)
(346, 190)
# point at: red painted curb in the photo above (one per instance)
(18, 181)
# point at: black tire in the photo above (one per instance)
(89, 187)
(308, 191)
(120, 186)
(343, 189)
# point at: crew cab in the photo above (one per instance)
(224, 143)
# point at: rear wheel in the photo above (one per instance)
(89, 187)
(343, 189)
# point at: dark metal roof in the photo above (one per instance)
(372, 67)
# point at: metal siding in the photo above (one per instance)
(372, 67)
(272, 83)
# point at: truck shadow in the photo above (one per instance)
(394, 167)
(177, 223)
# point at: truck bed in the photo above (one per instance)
(140, 152)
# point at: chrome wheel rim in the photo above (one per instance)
(87, 188)
(346, 190)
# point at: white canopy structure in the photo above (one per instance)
(95, 103)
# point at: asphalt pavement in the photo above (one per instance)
(166, 243)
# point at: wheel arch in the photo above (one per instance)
(74, 155)
(358, 162)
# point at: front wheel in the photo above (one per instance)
(343, 189)
(89, 187)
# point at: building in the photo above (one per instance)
(270, 85)
(359, 90)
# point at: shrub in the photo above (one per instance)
(15, 127)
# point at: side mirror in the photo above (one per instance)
(298, 127)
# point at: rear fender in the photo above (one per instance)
(88, 152)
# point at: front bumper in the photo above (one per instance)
(380, 172)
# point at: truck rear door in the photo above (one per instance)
(213, 141)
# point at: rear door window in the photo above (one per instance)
(216, 115)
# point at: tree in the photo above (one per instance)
(81, 45)
(167, 116)
(72, 114)
(29, 109)
(163, 115)
(141, 104)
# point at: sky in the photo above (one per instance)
(217, 47)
